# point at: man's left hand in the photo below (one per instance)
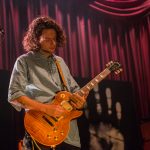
(77, 101)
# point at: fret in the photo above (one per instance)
(81, 93)
(95, 82)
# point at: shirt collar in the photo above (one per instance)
(42, 56)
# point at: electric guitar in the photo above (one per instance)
(51, 131)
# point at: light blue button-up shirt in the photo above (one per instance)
(37, 77)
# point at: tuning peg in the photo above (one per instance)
(111, 62)
(108, 64)
(116, 72)
(121, 69)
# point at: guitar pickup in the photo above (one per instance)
(48, 121)
(66, 106)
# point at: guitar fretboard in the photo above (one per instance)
(89, 86)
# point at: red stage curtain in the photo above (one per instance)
(97, 32)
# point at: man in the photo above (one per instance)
(36, 79)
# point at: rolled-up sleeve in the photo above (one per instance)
(18, 81)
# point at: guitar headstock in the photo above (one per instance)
(114, 66)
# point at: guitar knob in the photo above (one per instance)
(56, 138)
(49, 136)
(62, 132)
(55, 130)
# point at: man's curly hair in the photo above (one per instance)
(31, 39)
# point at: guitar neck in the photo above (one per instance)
(89, 86)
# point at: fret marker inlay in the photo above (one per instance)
(88, 87)
(96, 80)
(92, 84)
(101, 76)
(82, 91)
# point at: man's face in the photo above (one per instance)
(48, 40)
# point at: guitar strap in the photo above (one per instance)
(63, 81)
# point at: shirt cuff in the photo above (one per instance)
(14, 96)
